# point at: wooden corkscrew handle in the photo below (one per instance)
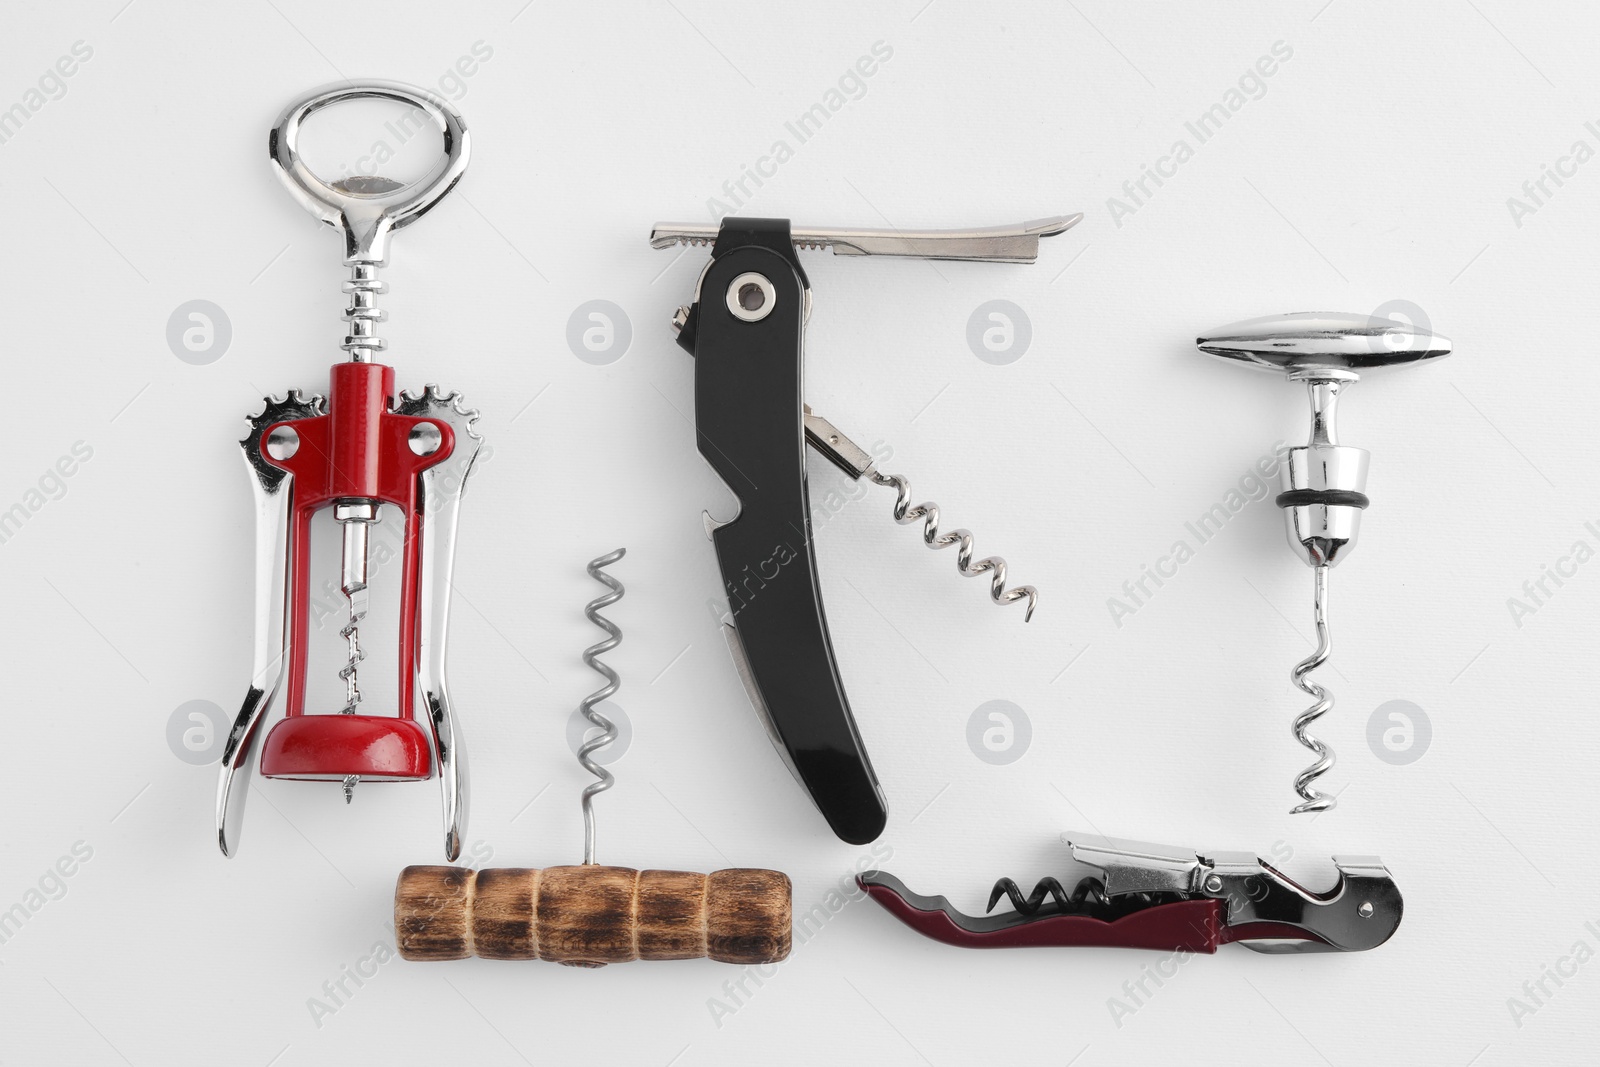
(589, 915)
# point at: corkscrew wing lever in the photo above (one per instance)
(746, 331)
(1139, 895)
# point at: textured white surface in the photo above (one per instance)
(1374, 166)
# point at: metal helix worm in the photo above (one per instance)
(360, 343)
(905, 513)
(1087, 891)
(591, 656)
(351, 632)
(1312, 799)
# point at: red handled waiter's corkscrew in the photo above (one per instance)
(359, 450)
(1132, 894)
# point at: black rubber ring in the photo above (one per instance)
(1297, 498)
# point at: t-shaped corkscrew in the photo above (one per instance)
(1324, 483)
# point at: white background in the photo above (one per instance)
(1375, 167)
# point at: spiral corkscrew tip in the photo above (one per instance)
(906, 513)
(1313, 800)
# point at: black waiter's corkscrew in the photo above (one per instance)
(745, 328)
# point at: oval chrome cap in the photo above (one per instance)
(1315, 340)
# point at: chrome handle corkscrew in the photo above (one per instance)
(1323, 482)
(362, 448)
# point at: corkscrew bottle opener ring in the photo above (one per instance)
(1137, 895)
(1324, 482)
(362, 448)
(746, 330)
(589, 915)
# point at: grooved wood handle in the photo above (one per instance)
(588, 916)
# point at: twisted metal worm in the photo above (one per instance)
(591, 656)
(905, 513)
(1314, 800)
(351, 632)
(1087, 889)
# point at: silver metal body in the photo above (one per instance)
(1360, 912)
(1323, 482)
(995, 244)
(591, 657)
(366, 209)
(1321, 534)
(440, 500)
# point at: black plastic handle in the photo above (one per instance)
(748, 420)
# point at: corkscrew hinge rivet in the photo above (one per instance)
(751, 297)
(282, 443)
(424, 439)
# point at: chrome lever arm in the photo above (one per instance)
(273, 492)
(440, 503)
